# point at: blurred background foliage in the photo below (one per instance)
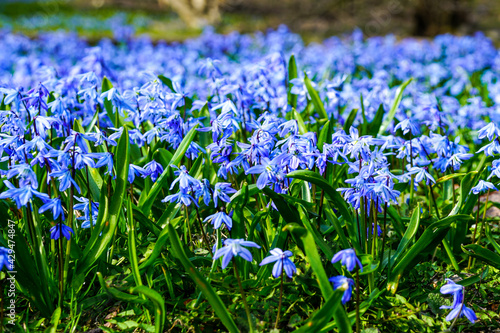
(314, 20)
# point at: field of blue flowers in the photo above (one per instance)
(249, 183)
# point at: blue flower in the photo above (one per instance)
(60, 229)
(103, 159)
(282, 262)
(234, 247)
(184, 179)
(348, 259)
(491, 131)
(182, 196)
(483, 186)
(406, 126)
(343, 283)
(269, 171)
(204, 191)
(65, 179)
(218, 218)
(134, 170)
(22, 195)
(4, 258)
(421, 174)
(221, 192)
(458, 307)
(153, 169)
(55, 205)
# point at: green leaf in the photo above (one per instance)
(300, 122)
(432, 236)
(158, 302)
(54, 321)
(95, 249)
(316, 100)
(179, 154)
(318, 239)
(134, 265)
(108, 105)
(394, 107)
(483, 254)
(350, 120)
(396, 219)
(337, 199)
(118, 294)
(207, 290)
(292, 74)
(166, 81)
(448, 177)
(26, 268)
(323, 315)
(489, 236)
(313, 258)
(324, 135)
(374, 126)
(409, 235)
(330, 216)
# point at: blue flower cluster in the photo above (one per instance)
(65, 104)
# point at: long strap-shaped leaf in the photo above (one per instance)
(91, 254)
(481, 253)
(323, 315)
(159, 303)
(312, 256)
(292, 74)
(337, 199)
(316, 100)
(201, 282)
(179, 153)
(409, 234)
(394, 107)
(433, 235)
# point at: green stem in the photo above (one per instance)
(412, 190)
(449, 252)
(187, 222)
(61, 270)
(384, 235)
(484, 217)
(357, 302)
(475, 230)
(281, 298)
(205, 238)
(243, 296)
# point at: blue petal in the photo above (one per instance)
(227, 258)
(278, 268)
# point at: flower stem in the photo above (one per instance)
(61, 270)
(281, 298)
(482, 222)
(357, 302)
(484, 217)
(205, 238)
(243, 296)
(475, 230)
(384, 233)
